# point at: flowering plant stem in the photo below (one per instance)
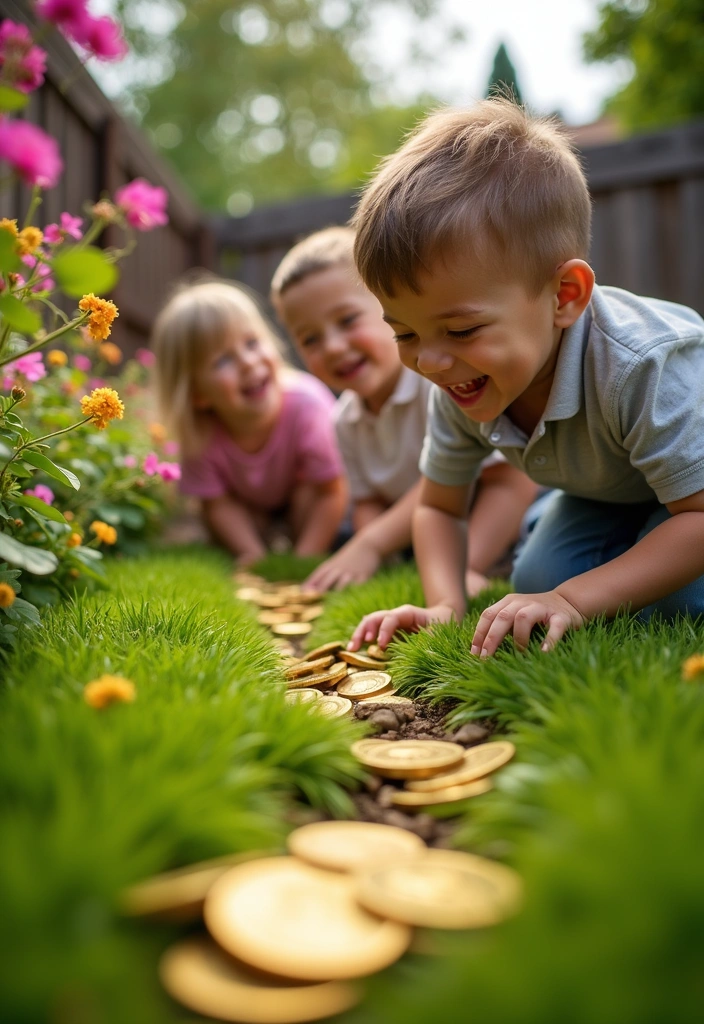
(46, 340)
(39, 440)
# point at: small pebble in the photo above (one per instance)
(470, 733)
(372, 784)
(385, 796)
(385, 720)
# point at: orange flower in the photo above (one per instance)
(102, 313)
(109, 690)
(29, 240)
(7, 595)
(693, 667)
(106, 534)
(102, 405)
(56, 357)
(74, 540)
(111, 353)
(9, 225)
(157, 432)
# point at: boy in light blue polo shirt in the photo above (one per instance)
(474, 237)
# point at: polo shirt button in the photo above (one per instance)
(495, 437)
(540, 460)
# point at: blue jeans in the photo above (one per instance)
(576, 534)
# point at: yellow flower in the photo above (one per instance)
(56, 357)
(30, 239)
(7, 595)
(102, 405)
(111, 353)
(102, 313)
(9, 225)
(74, 540)
(106, 534)
(157, 432)
(109, 690)
(693, 667)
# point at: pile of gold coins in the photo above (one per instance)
(285, 608)
(436, 773)
(288, 937)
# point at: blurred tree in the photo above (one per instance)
(663, 40)
(262, 101)
(503, 76)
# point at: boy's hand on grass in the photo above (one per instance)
(518, 614)
(353, 563)
(381, 626)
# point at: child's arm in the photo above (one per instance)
(668, 558)
(439, 542)
(233, 525)
(380, 535)
(319, 515)
(503, 496)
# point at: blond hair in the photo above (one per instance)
(331, 247)
(490, 180)
(188, 329)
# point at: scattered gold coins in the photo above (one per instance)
(292, 628)
(365, 684)
(476, 763)
(289, 918)
(305, 668)
(374, 651)
(302, 696)
(360, 660)
(443, 889)
(200, 975)
(407, 759)
(333, 706)
(387, 697)
(320, 652)
(409, 800)
(353, 845)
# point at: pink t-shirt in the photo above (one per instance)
(302, 448)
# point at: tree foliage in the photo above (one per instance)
(663, 40)
(503, 76)
(268, 100)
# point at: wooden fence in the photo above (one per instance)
(101, 152)
(648, 232)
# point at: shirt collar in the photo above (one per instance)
(406, 391)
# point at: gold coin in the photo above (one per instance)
(310, 596)
(178, 895)
(332, 648)
(313, 611)
(353, 845)
(387, 697)
(477, 762)
(360, 660)
(407, 759)
(268, 600)
(365, 684)
(287, 917)
(249, 594)
(322, 679)
(272, 617)
(285, 648)
(201, 976)
(305, 668)
(248, 579)
(292, 628)
(412, 801)
(302, 696)
(374, 651)
(443, 889)
(295, 610)
(333, 706)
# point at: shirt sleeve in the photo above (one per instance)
(200, 477)
(660, 410)
(360, 489)
(451, 454)
(317, 455)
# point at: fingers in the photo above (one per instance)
(486, 620)
(367, 630)
(559, 624)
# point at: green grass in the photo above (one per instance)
(207, 760)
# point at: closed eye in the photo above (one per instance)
(404, 337)
(467, 333)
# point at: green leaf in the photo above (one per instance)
(35, 560)
(22, 611)
(37, 505)
(78, 271)
(9, 258)
(18, 315)
(121, 515)
(65, 476)
(5, 451)
(12, 100)
(18, 470)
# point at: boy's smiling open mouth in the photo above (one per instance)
(350, 367)
(468, 392)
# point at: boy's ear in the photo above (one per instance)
(573, 283)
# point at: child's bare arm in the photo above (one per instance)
(668, 558)
(361, 556)
(319, 517)
(233, 524)
(503, 496)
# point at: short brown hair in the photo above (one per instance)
(330, 247)
(491, 178)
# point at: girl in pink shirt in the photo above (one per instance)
(257, 436)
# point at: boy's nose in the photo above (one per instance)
(431, 359)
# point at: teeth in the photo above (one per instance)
(468, 388)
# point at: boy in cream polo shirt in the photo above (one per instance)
(380, 416)
(474, 237)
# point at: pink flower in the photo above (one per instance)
(55, 233)
(145, 357)
(102, 38)
(23, 64)
(69, 15)
(33, 154)
(151, 464)
(170, 447)
(82, 363)
(42, 271)
(130, 461)
(43, 493)
(144, 205)
(30, 366)
(169, 470)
